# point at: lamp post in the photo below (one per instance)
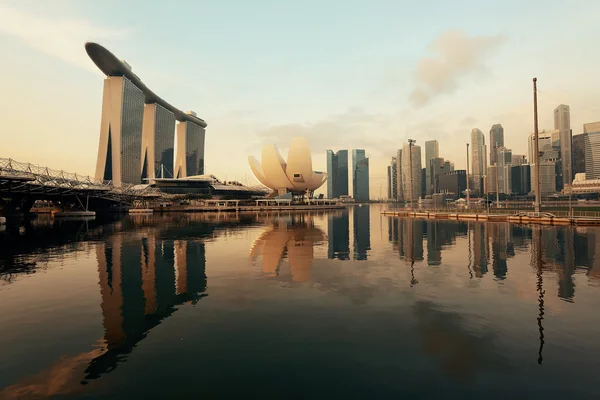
(411, 143)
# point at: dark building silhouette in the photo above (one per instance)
(453, 183)
(520, 179)
(362, 232)
(578, 154)
(338, 236)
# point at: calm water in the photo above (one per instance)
(342, 304)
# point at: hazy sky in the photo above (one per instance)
(345, 74)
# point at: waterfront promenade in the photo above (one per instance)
(547, 217)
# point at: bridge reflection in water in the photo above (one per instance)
(148, 267)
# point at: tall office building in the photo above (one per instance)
(190, 149)
(157, 142)
(520, 179)
(496, 140)
(579, 154)
(389, 175)
(432, 150)
(437, 167)
(394, 178)
(478, 159)
(360, 175)
(137, 127)
(399, 189)
(562, 122)
(592, 155)
(492, 178)
(337, 174)
(504, 160)
(518, 159)
(545, 139)
(414, 174)
(120, 144)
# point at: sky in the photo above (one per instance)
(344, 74)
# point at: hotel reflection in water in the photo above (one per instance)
(142, 279)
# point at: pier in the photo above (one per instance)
(542, 218)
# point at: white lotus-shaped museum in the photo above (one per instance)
(295, 176)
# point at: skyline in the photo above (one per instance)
(341, 86)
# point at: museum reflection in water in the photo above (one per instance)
(147, 270)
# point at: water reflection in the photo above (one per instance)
(142, 280)
(362, 232)
(563, 249)
(290, 238)
(338, 232)
(149, 266)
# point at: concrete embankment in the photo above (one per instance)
(517, 219)
(242, 208)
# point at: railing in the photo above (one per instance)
(44, 176)
(503, 211)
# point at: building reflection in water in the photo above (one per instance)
(440, 234)
(362, 231)
(292, 238)
(142, 280)
(338, 236)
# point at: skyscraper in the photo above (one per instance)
(416, 171)
(399, 191)
(120, 144)
(157, 142)
(432, 150)
(496, 140)
(394, 178)
(518, 159)
(592, 155)
(389, 182)
(504, 160)
(360, 175)
(578, 154)
(478, 159)
(137, 127)
(190, 149)
(562, 122)
(337, 174)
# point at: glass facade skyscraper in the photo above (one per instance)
(119, 151)
(562, 122)
(337, 174)
(137, 128)
(432, 150)
(360, 175)
(190, 150)
(157, 142)
(416, 171)
(478, 159)
(496, 141)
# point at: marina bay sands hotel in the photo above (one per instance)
(137, 129)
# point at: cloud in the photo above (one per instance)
(60, 37)
(456, 55)
(354, 128)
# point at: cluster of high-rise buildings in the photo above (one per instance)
(337, 174)
(138, 129)
(561, 157)
(409, 180)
